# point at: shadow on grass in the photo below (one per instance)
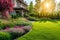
(50, 20)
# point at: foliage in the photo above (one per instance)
(31, 7)
(37, 6)
(27, 28)
(46, 19)
(22, 23)
(5, 36)
(53, 15)
(40, 11)
(58, 7)
(33, 19)
(6, 5)
(15, 28)
(3, 25)
(15, 32)
(14, 16)
(11, 23)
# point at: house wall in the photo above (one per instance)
(15, 3)
(20, 4)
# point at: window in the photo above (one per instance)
(15, 3)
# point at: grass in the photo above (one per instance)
(43, 31)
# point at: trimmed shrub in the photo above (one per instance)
(27, 28)
(4, 25)
(32, 19)
(15, 32)
(12, 23)
(45, 19)
(22, 23)
(5, 36)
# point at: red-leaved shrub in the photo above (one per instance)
(6, 6)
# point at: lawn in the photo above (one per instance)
(43, 31)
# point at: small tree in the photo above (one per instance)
(58, 9)
(31, 7)
(37, 6)
(6, 6)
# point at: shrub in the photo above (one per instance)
(4, 25)
(23, 23)
(27, 28)
(5, 36)
(14, 16)
(45, 19)
(12, 23)
(15, 32)
(33, 19)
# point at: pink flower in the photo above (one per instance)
(7, 28)
(18, 26)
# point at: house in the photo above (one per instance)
(20, 7)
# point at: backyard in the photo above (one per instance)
(29, 20)
(43, 31)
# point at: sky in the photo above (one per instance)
(58, 0)
(28, 1)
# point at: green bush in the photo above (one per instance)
(5, 36)
(10, 24)
(22, 23)
(14, 16)
(33, 19)
(13, 23)
(4, 25)
(45, 19)
(15, 32)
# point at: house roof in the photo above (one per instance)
(22, 1)
(21, 9)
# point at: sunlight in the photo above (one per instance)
(47, 5)
(42, 0)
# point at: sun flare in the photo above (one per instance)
(47, 5)
(42, 0)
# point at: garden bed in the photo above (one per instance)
(17, 31)
(14, 29)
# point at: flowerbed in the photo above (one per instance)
(13, 23)
(15, 28)
(17, 31)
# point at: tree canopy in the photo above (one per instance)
(6, 5)
(31, 7)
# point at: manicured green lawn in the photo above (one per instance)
(43, 31)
